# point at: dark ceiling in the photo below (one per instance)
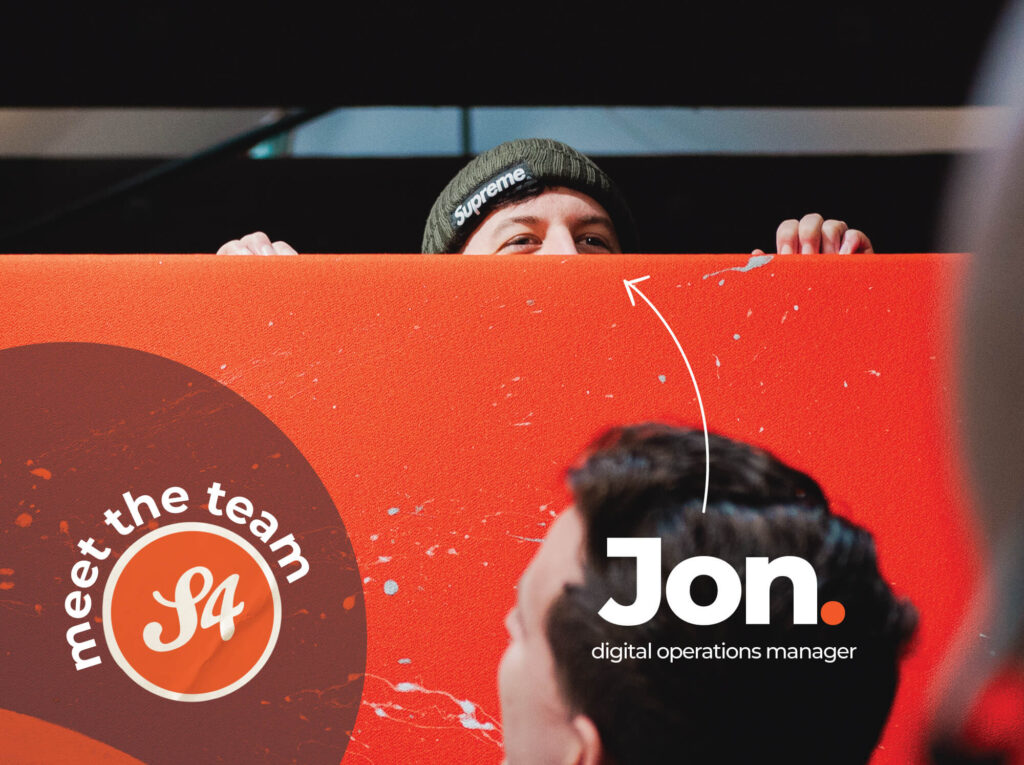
(710, 54)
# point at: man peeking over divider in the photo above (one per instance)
(577, 688)
(538, 195)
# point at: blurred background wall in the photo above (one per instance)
(718, 121)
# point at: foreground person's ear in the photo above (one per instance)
(591, 752)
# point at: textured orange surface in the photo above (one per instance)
(439, 399)
(31, 741)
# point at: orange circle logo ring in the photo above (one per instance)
(191, 612)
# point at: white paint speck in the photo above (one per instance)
(390, 587)
(525, 539)
(661, 378)
(718, 361)
(405, 661)
(270, 324)
(468, 717)
(374, 537)
(735, 337)
(223, 366)
(755, 261)
(383, 558)
(393, 511)
(796, 308)
(721, 282)
(874, 372)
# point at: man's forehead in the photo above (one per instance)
(556, 563)
(559, 200)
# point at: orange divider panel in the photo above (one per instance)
(438, 400)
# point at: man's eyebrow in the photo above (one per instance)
(524, 220)
(592, 220)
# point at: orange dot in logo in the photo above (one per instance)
(191, 612)
(833, 613)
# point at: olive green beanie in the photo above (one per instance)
(506, 171)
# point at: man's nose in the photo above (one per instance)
(558, 241)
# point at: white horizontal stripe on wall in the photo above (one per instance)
(442, 131)
(111, 133)
(633, 131)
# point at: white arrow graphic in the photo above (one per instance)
(630, 289)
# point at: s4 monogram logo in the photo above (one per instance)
(171, 605)
(185, 604)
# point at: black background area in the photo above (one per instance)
(524, 53)
(726, 53)
(682, 204)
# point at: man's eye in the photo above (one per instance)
(591, 241)
(520, 241)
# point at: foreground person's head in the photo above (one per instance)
(533, 195)
(560, 704)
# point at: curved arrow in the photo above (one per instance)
(630, 289)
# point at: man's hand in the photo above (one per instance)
(256, 243)
(813, 234)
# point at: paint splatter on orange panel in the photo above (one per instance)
(456, 390)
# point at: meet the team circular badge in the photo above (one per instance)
(191, 592)
(191, 612)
